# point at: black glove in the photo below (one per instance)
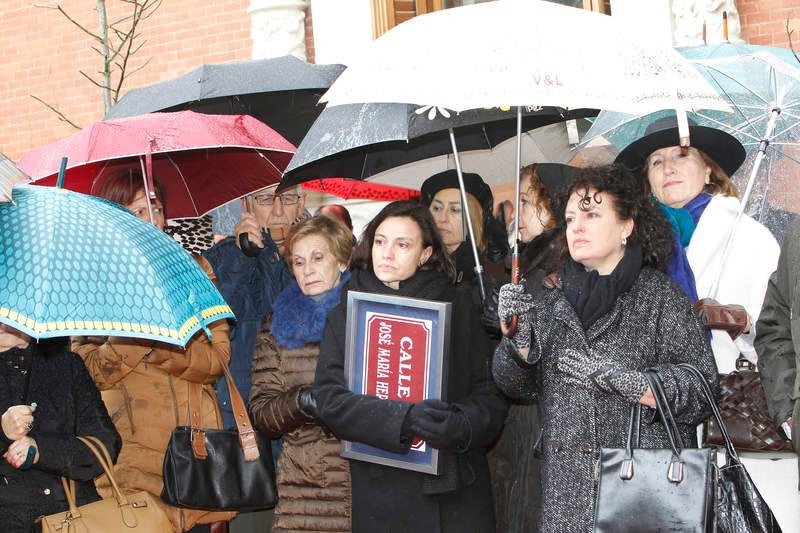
(496, 237)
(602, 375)
(489, 318)
(440, 424)
(514, 299)
(307, 402)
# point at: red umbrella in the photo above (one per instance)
(363, 190)
(203, 160)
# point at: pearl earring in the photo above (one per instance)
(624, 240)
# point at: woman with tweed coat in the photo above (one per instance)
(581, 344)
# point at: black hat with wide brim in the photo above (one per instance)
(448, 179)
(723, 148)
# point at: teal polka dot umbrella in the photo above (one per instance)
(72, 264)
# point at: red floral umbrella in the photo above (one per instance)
(364, 190)
(203, 160)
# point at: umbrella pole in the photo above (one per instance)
(510, 328)
(464, 208)
(147, 191)
(762, 149)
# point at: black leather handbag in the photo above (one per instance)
(643, 489)
(738, 506)
(219, 469)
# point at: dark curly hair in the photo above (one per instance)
(439, 259)
(650, 227)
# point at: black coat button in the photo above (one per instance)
(587, 447)
(556, 446)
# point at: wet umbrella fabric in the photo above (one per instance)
(361, 140)
(756, 84)
(202, 160)
(72, 264)
(514, 53)
(282, 91)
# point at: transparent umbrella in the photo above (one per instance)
(763, 88)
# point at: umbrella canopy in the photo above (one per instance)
(514, 53)
(361, 140)
(203, 160)
(72, 264)
(9, 175)
(763, 88)
(497, 166)
(349, 189)
(282, 91)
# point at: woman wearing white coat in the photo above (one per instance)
(694, 190)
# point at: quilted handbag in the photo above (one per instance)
(219, 469)
(744, 409)
(738, 506)
(655, 489)
(124, 512)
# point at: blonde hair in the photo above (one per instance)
(476, 214)
(339, 238)
(719, 181)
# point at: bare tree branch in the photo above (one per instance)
(61, 115)
(789, 32)
(117, 42)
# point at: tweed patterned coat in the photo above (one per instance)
(652, 325)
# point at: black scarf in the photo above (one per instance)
(593, 295)
(424, 284)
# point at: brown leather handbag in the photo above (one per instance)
(744, 411)
(130, 513)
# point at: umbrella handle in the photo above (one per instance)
(250, 249)
(510, 328)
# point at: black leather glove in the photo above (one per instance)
(497, 247)
(440, 424)
(307, 402)
(597, 374)
(489, 318)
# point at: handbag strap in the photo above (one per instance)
(664, 411)
(100, 451)
(247, 435)
(732, 457)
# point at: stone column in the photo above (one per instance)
(278, 28)
(688, 17)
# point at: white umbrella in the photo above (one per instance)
(518, 53)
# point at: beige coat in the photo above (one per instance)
(313, 479)
(145, 386)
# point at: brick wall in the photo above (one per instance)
(41, 54)
(764, 22)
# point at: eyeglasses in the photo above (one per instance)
(269, 199)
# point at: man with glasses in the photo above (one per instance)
(250, 278)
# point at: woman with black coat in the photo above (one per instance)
(47, 399)
(402, 254)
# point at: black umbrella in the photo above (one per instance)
(282, 92)
(361, 140)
